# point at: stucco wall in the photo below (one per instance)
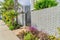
(47, 19)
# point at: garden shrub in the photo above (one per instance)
(11, 27)
(52, 37)
(8, 17)
(42, 36)
(31, 33)
(9, 14)
(30, 36)
(41, 4)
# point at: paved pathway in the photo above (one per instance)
(5, 33)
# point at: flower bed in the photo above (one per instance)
(31, 33)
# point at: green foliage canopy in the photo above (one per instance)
(8, 12)
(41, 4)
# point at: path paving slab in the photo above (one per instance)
(5, 33)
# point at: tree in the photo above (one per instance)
(8, 12)
(16, 8)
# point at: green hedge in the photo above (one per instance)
(41, 4)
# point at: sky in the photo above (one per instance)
(1, 0)
(24, 2)
(57, 0)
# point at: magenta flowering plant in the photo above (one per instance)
(33, 30)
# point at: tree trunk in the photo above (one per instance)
(16, 9)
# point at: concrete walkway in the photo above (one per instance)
(5, 33)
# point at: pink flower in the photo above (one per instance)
(33, 30)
